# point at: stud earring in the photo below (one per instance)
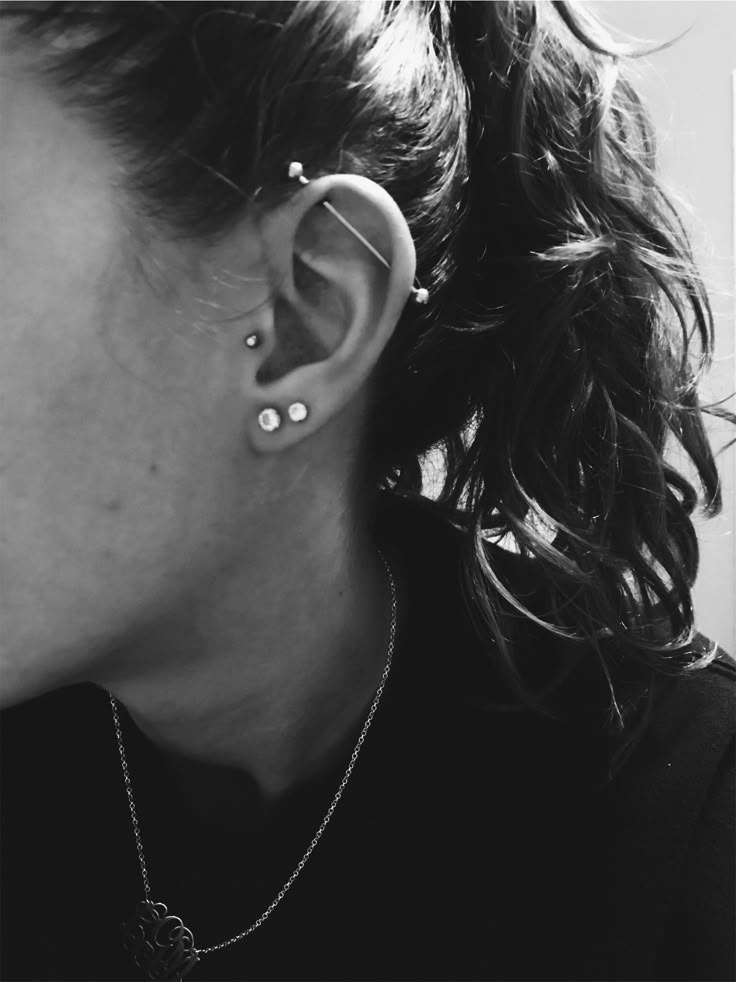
(269, 419)
(419, 293)
(252, 341)
(297, 412)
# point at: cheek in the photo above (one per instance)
(105, 511)
(95, 453)
(104, 495)
(110, 492)
(75, 450)
(89, 487)
(99, 466)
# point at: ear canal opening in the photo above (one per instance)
(295, 345)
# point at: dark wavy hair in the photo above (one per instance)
(568, 326)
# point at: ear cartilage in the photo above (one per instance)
(252, 340)
(269, 419)
(420, 295)
(297, 412)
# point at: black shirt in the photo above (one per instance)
(470, 843)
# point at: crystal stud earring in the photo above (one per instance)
(298, 412)
(269, 419)
(252, 340)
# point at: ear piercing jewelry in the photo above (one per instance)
(252, 340)
(297, 412)
(269, 419)
(296, 171)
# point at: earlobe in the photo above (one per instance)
(276, 416)
(294, 407)
(276, 412)
(276, 429)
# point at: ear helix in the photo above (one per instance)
(419, 294)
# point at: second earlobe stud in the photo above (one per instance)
(297, 412)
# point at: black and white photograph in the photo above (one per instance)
(368, 491)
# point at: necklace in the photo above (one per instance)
(158, 942)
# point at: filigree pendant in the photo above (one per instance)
(159, 943)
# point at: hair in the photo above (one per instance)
(568, 326)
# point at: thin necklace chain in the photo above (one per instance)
(323, 825)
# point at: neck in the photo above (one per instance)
(267, 666)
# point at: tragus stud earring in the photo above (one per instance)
(297, 412)
(269, 419)
(296, 172)
(252, 340)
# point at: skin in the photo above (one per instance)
(153, 539)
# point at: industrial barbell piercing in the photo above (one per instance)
(296, 172)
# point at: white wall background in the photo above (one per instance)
(690, 91)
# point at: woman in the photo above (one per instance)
(271, 712)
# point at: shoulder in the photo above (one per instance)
(690, 717)
(685, 754)
(672, 812)
(690, 725)
(634, 840)
(701, 705)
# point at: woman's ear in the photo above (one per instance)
(333, 308)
